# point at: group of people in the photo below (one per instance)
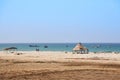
(37, 49)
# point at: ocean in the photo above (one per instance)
(93, 47)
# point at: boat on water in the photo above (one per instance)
(97, 46)
(67, 46)
(33, 46)
(45, 46)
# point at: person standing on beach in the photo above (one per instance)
(37, 49)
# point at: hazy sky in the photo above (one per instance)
(59, 21)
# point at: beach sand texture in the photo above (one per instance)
(48, 65)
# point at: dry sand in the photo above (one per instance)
(59, 66)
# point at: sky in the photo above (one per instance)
(59, 21)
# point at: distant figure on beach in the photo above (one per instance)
(37, 49)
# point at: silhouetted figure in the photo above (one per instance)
(37, 49)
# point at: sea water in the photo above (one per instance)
(93, 47)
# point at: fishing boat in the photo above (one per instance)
(45, 46)
(33, 46)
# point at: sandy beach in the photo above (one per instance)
(59, 40)
(49, 65)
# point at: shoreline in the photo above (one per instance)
(58, 56)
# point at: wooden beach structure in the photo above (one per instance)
(80, 49)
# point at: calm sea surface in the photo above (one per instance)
(93, 47)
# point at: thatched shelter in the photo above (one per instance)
(80, 49)
(10, 49)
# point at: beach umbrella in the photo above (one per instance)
(79, 46)
(10, 49)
